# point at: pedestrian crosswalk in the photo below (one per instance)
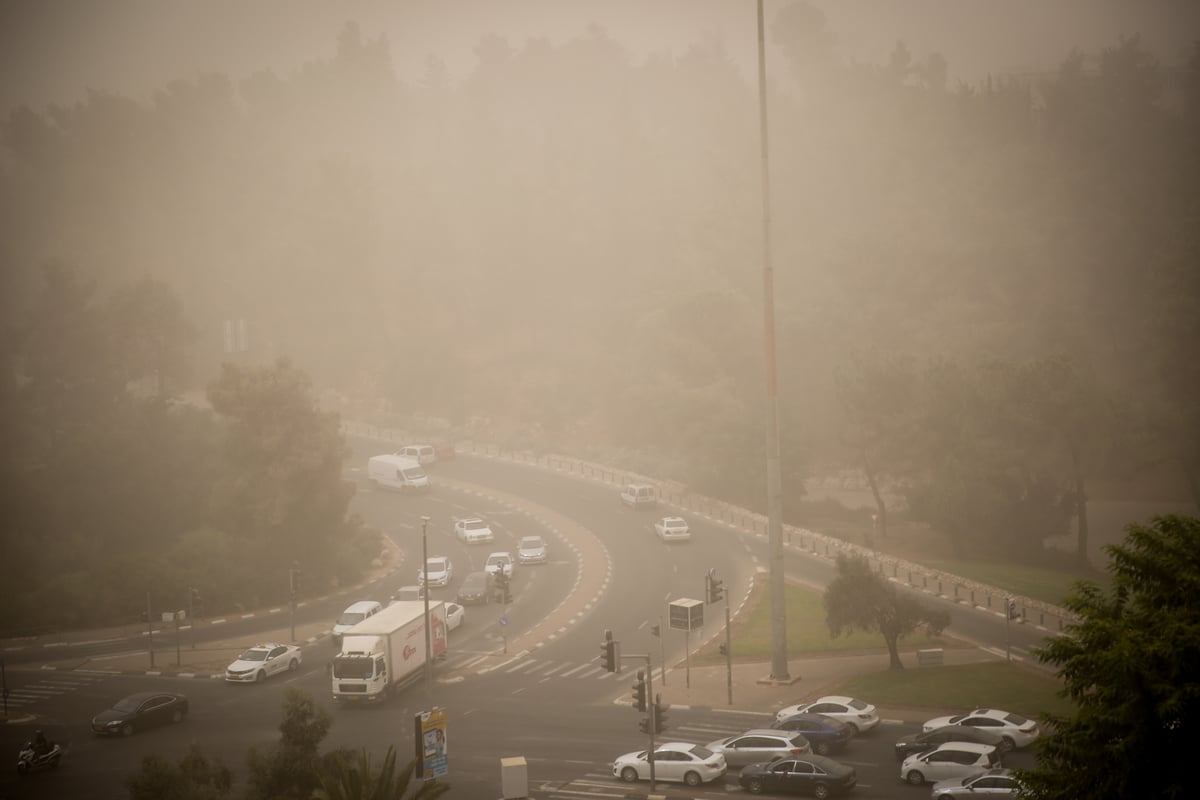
(543, 669)
(52, 685)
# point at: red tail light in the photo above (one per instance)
(795, 752)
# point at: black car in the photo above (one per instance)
(825, 734)
(476, 588)
(816, 775)
(921, 742)
(141, 710)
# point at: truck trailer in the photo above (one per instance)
(386, 652)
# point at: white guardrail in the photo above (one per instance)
(941, 584)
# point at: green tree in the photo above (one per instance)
(292, 767)
(195, 777)
(350, 776)
(859, 598)
(1129, 666)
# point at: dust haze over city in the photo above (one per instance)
(235, 236)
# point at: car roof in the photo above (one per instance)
(971, 747)
(672, 519)
(470, 519)
(478, 575)
(361, 606)
(815, 717)
(504, 553)
(438, 558)
(139, 696)
(685, 747)
(533, 538)
(639, 486)
(265, 646)
(768, 732)
(834, 698)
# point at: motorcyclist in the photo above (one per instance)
(41, 745)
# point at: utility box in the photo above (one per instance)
(933, 657)
(686, 614)
(514, 778)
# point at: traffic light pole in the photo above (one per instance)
(662, 649)
(728, 654)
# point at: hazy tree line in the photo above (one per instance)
(987, 295)
(115, 489)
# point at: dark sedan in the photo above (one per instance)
(141, 710)
(816, 775)
(475, 589)
(921, 742)
(825, 734)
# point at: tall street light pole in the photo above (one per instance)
(779, 663)
(425, 596)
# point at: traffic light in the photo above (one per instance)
(713, 590)
(644, 724)
(724, 649)
(196, 597)
(1012, 609)
(294, 575)
(503, 588)
(639, 691)
(655, 630)
(608, 652)
(660, 714)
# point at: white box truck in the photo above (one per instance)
(397, 472)
(386, 652)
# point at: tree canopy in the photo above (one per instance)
(1129, 666)
(860, 598)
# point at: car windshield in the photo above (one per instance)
(473, 582)
(352, 668)
(474, 524)
(702, 752)
(1015, 719)
(958, 719)
(351, 618)
(254, 654)
(531, 543)
(496, 560)
(437, 565)
(129, 704)
(858, 705)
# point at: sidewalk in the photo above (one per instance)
(811, 677)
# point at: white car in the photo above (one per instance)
(262, 661)
(857, 714)
(353, 615)
(672, 529)
(424, 454)
(440, 571)
(407, 593)
(473, 530)
(1015, 729)
(531, 550)
(947, 761)
(499, 562)
(673, 761)
(455, 615)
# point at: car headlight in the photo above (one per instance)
(116, 723)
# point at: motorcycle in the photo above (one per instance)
(28, 760)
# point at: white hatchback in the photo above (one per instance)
(440, 571)
(499, 562)
(949, 760)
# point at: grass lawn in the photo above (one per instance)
(995, 685)
(806, 630)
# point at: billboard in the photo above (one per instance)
(432, 753)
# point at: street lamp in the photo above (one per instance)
(425, 595)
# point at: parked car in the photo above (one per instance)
(440, 571)
(816, 775)
(993, 783)
(948, 761)
(531, 550)
(825, 734)
(353, 615)
(140, 711)
(672, 529)
(639, 495)
(455, 616)
(499, 562)
(1019, 731)
(760, 745)
(923, 742)
(262, 661)
(444, 450)
(475, 589)
(673, 761)
(859, 715)
(473, 530)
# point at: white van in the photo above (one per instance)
(397, 472)
(423, 453)
(353, 615)
(639, 495)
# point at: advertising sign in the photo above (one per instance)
(430, 730)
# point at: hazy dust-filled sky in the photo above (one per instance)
(51, 51)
